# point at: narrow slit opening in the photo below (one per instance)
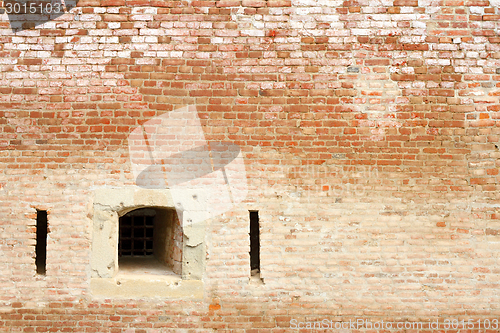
(41, 242)
(254, 243)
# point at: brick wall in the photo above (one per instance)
(370, 137)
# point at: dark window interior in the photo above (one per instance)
(41, 242)
(136, 235)
(254, 241)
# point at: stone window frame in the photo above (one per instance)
(109, 204)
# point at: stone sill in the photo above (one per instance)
(145, 277)
(146, 286)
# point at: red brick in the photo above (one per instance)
(253, 3)
(406, 3)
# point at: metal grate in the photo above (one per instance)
(136, 235)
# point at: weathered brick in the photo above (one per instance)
(369, 136)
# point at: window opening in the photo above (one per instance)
(41, 242)
(254, 242)
(150, 242)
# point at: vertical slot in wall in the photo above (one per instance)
(41, 242)
(254, 241)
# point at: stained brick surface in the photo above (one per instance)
(370, 133)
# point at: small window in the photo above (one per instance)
(150, 241)
(254, 242)
(127, 263)
(41, 242)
